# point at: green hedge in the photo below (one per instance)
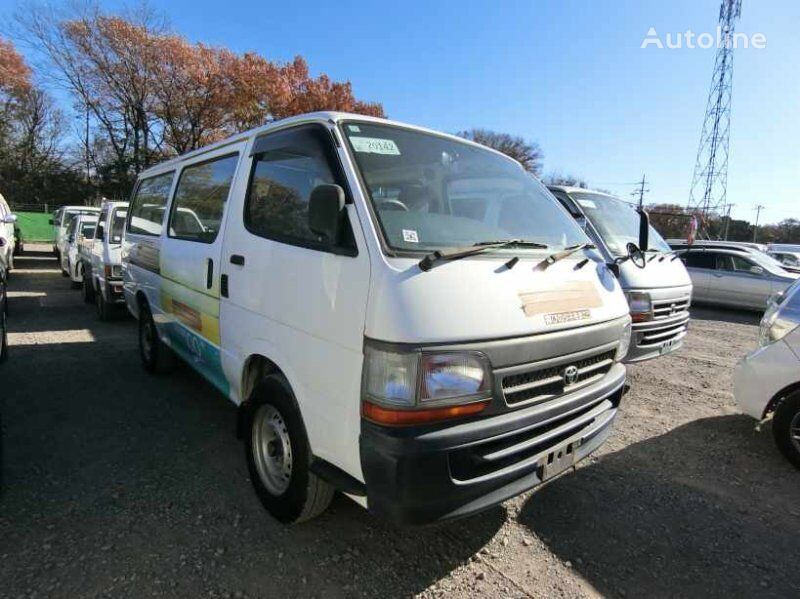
(35, 226)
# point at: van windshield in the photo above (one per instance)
(430, 192)
(616, 222)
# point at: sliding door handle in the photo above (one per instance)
(237, 259)
(209, 273)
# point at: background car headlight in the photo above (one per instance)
(624, 342)
(639, 305)
(416, 386)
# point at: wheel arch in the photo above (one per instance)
(776, 400)
(256, 368)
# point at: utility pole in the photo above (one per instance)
(727, 221)
(758, 209)
(641, 191)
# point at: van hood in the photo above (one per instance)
(660, 271)
(479, 298)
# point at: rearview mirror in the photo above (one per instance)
(325, 208)
(644, 229)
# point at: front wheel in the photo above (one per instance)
(3, 335)
(157, 358)
(88, 290)
(104, 309)
(278, 456)
(786, 428)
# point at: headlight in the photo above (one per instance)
(640, 305)
(774, 327)
(624, 342)
(417, 386)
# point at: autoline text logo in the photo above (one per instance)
(690, 39)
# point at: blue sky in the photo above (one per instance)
(568, 74)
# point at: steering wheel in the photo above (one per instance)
(636, 255)
(396, 205)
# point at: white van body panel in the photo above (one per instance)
(449, 303)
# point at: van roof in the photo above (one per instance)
(573, 189)
(331, 117)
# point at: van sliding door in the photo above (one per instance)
(190, 261)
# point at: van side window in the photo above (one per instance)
(200, 199)
(100, 231)
(149, 204)
(286, 167)
(698, 259)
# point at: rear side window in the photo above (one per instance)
(698, 259)
(200, 199)
(149, 204)
(286, 167)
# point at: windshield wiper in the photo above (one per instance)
(567, 251)
(477, 248)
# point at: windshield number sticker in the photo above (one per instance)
(375, 145)
(587, 204)
(410, 236)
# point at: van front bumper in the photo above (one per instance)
(652, 339)
(421, 475)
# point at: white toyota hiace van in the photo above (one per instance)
(655, 280)
(399, 314)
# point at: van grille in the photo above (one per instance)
(541, 384)
(670, 308)
(657, 337)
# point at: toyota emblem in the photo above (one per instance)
(570, 375)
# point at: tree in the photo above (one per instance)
(567, 180)
(528, 154)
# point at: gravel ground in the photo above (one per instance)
(123, 485)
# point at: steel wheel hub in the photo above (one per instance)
(272, 449)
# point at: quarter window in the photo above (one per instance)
(698, 259)
(286, 167)
(200, 199)
(149, 204)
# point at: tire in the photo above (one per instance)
(88, 290)
(786, 428)
(105, 311)
(157, 358)
(3, 335)
(275, 430)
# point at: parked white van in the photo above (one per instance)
(400, 314)
(79, 231)
(658, 288)
(7, 220)
(60, 221)
(102, 258)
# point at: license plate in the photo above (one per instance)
(559, 460)
(668, 346)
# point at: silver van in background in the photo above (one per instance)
(657, 286)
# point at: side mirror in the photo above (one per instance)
(644, 229)
(325, 208)
(9, 219)
(636, 255)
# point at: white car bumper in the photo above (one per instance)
(762, 374)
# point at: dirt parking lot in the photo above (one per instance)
(119, 484)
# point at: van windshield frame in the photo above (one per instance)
(463, 168)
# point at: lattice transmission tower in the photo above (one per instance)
(709, 190)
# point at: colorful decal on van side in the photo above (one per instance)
(194, 332)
